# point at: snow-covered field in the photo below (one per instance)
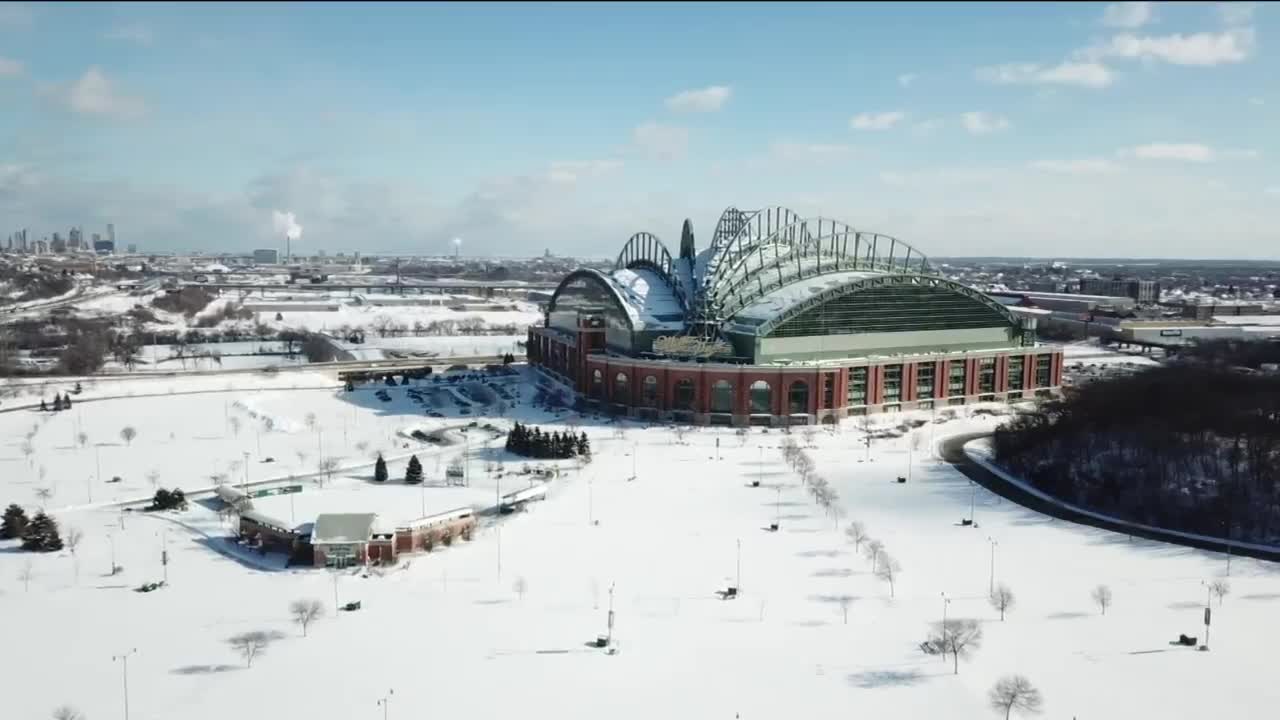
(1093, 354)
(450, 635)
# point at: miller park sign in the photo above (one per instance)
(689, 346)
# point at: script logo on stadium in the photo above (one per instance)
(690, 346)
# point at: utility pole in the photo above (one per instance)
(124, 660)
(385, 702)
(991, 585)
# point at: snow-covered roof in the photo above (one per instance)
(649, 301)
(343, 528)
(777, 302)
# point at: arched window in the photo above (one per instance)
(722, 397)
(649, 391)
(597, 384)
(621, 390)
(799, 397)
(684, 395)
(761, 398)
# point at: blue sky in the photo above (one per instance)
(1073, 129)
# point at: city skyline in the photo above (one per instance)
(1123, 130)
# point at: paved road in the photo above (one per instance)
(952, 451)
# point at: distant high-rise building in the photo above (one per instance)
(75, 239)
(1144, 291)
(268, 256)
(133, 249)
(111, 234)
(58, 245)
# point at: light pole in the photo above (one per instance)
(738, 583)
(335, 592)
(591, 505)
(945, 602)
(164, 553)
(760, 465)
(609, 636)
(910, 439)
(991, 585)
(246, 470)
(124, 660)
(385, 702)
(635, 454)
(973, 499)
(88, 486)
(111, 541)
(97, 459)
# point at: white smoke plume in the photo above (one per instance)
(286, 223)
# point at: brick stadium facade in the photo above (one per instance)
(784, 321)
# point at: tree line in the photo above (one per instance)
(38, 533)
(531, 441)
(1193, 447)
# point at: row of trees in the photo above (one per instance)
(1191, 447)
(38, 534)
(531, 441)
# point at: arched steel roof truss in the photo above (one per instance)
(805, 249)
(600, 278)
(646, 250)
(868, 283)
(738, 231)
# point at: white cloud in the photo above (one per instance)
(93, 93)
(1082, 74)
(137, 34)
(666, 142)
(1273, 190)
(708, 99)
(570, 171)
(809, 152)
(876, 121)
(10, 67)
(1185, 152)
(905, 79)
(1257, 101)
(982, 123)
(1081, 166)
(1237, 13)
(1202, 48)
(1128, 14)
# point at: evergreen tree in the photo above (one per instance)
(380, 469)
(78, 390)
(43, 407)
(391, 381)
(584, 445)
(404, 379)
(413, 474)
(350, 387)
(15, 522)
(66, 401)
(42, 535)
(57, 403)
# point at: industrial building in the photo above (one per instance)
(1145, 292)
(269, 256)
(784, 320)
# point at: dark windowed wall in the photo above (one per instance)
(828, 391)
(896, 308)
(722, 397)
(925, 376)
(590, 294)
(761, 398)
(857, 386)
(1015, 373)
(649, 391)
(987, 375)
(597, 384)
(1042, 370)
(621, 389)
(684, 395)
(798, 397)
(955, 378)
(892, 384)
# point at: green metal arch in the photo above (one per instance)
(861, 284)
(599, 278)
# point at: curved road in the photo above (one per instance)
(952, 451)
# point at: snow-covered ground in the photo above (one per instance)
(444, 346)
(1091, 353)
(450, 635)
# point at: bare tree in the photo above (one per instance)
(857, 534)
(1220, 589)
(520, 587)
(1015, 692)
(311, 421)
(872, 550)
(128, 433)
(43, 494)
(959, 637)
(1001, 599)
(304, 612)
(1102, 596)
(235, 425)
(28, 450)
(72, 540)
(25, 574)
(845, 601)
(808, 433)
(328, 467)
(362, 446)
(82, 439)
(250, 644)
(888, 569)
(153, 477)
(66, 712)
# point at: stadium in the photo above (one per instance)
(784, 320)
